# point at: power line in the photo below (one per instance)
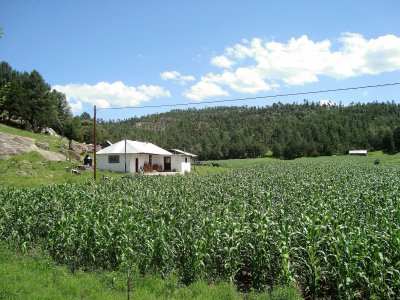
(255, 98)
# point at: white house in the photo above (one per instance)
(134, 157)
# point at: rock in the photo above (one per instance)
(11, 145)
(43, 145)
(77, 147)
(49, 131)
(51, 155)
(91, 148)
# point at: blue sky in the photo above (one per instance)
(135, 53)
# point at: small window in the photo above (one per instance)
(185, 159)
(113, 159)
(168, 160)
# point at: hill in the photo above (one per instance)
(24, 162)
(288, 130)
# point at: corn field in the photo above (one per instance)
(333, 230)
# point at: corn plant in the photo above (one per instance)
(333, 230)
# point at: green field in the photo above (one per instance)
(328, 226)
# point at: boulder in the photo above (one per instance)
(11, 145)
(49, 131)
(43, 145)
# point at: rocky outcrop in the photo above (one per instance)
(49, 131)
(82, 148)
(11, 145)
(43, 145)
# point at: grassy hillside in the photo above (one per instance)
(33, 170)
(55, 143)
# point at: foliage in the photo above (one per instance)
(289, 130)
(27, 99)
(73, 130)
(333, 229)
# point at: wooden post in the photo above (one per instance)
(125, 152)
(94, 143)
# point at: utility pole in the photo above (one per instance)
(94, 143)
(125, 152)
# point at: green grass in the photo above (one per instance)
(31, 170)
(55, 143)
(384, 159)
(36, 276)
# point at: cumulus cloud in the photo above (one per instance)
(204, 89)
(243, 80)
(263, 65)
(176, 76)
(76, 106)
(104, 94)
(222, 61)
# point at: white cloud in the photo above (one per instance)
(176, 76)
(204, 89)
(327, 102)
(76, 106)
(104, 94)
(243, 80)
(222, 62)
(262, 65)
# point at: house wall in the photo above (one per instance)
(103, 164)
(178, 163)
(142, 159)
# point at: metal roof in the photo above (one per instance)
(133, 147)
(177, 151)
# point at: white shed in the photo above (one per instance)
(183, 160)
(134, 157)
(358, 152)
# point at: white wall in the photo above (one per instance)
(178, 163)
(103, 164)
(142, 158)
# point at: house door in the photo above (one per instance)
(167, 163)
(136, 165)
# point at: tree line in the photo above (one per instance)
(283, 130)
(28, 102)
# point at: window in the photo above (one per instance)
(185, 159)
(113, 159)
(150, 160)
(167, 160)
